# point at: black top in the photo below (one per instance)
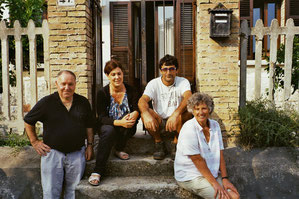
(103, 103)
(64, 130)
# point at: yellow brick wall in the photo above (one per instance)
(71, 43)
(217, 70)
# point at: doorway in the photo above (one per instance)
(142, 32)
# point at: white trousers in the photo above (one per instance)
(58, 168)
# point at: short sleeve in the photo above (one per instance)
(188, 140)
(37, 113)
(185, 86)
(150, 90)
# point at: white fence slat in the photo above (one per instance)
(5, 71)
(46, 34)
(244, 34)
(19, 71)
(274, 31)
(258, 58)
(273, 55)
(17, 31)
(32, 56)
(288, 59)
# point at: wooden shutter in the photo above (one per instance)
(292, 10)
(121, 46)
(246, 12)
(185, 40)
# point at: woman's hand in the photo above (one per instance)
(132, 116)
(125, 122)
(228, 185)
(220, 191)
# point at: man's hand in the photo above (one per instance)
(41, 148)
(88, 152)
(150, 122)
(172, 122)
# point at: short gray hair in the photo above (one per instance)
(198, 98)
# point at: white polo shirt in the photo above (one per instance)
(192, 142)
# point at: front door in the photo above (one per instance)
(143, 32)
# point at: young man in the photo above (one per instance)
(67, 120)
(169, 94)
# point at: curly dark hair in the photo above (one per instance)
(169, 60)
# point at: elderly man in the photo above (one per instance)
(169, 94)
(67, 121)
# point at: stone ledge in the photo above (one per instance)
(259, 173)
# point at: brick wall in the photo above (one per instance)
(71, 43)
(217, 70)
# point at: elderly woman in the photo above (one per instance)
(117, 116)
(199, 163)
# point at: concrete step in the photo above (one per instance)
(143, 187)
(137, 165)
(141, 143)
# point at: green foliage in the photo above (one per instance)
(279, 71)
(23, 10)
(263, 125)
(14, 140)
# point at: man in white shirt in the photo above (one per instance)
(169, 94)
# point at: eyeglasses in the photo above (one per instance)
(170, 69)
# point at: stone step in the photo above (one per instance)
(137, 165)
(143, 187)
(141, 143)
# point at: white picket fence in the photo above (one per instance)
(17, 31)
(259, 31)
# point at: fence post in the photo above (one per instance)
(45, 30)
(19, 70)
(32, 55)
(259, 34)
(5, 71)
(288, 58)
(273, 56)
(245, 32)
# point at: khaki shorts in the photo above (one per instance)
(200, 186)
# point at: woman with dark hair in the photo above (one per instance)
(199, 162)
(118, 115)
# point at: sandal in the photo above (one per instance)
(122, 155)
(94, 177)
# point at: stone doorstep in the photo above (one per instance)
(137, 165)
(143, 187)
(140, 143)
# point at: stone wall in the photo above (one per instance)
(217, 70)
(71, 43)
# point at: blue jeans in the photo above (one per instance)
(58, 168)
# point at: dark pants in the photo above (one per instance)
(110, 135)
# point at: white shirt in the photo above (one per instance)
(166, 99)
(192, 141)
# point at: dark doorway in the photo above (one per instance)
(142, 32)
